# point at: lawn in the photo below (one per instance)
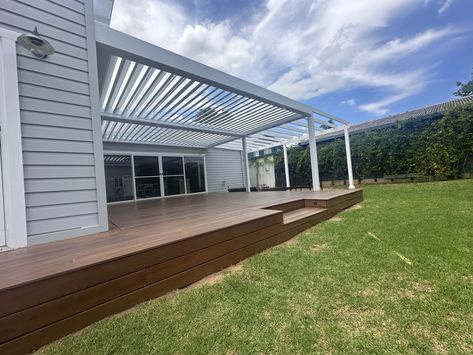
(394, 276)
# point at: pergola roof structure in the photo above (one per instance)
(149, 95)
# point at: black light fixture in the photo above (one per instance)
(35, 44)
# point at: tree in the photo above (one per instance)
(465, 89)
(446, 146)
(441, 147)
(210, 115)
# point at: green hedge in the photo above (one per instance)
(441, 148)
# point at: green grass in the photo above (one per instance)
(395, 276)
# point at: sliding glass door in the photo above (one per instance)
(149, 176)
(118, 178)
(195, 174)
(173, 176)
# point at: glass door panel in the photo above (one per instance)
(173, 176)
(146, 166)
(174, 185)
(118, 177)
(128, 177)
(172, 166)
(195, 174)
(147, 177)
(147, 187)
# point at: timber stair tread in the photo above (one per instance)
(301, 213)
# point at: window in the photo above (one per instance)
(118, 177)
(146, 166)
(172, 166)
(147, 177)
(195, 174)
(173, 176)
(130, 177)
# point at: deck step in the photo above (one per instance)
(301, 213)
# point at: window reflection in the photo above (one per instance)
(118, 177)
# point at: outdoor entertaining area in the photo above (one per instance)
(153, 247)
(163, 118)
(128, 220)
(150, 96)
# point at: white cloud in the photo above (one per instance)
(349, 102)
(302, 49)
(445, 5)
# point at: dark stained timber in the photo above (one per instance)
(155, 246)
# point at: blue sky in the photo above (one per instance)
(358, 59)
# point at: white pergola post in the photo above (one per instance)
(246, 165)
(351, 185)
(286, 166)
(13, 233)
(314, 164)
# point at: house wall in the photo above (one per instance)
(60, 123)
(61, 126)
(224, 168)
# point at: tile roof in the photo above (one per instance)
(428, 111)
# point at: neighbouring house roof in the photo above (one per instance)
(424, 112)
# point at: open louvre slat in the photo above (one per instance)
(136, 90)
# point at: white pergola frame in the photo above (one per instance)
(153, 96)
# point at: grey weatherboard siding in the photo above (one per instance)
(223, 165)
(61, 152)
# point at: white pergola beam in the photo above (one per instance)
(318, 120)
(331, 117)
(172, 125)
(123, 45)
(261, 129)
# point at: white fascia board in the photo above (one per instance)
(129, 47)
(171, 125)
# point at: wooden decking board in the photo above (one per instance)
(286, 207)
(79, 320)
(30, 319)
(161, 245)
(17, 298)
(301, 213)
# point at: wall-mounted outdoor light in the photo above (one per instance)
(35, 44)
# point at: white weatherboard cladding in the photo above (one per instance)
(224, 169)
(56, 110)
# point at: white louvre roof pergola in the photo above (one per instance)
(149, 95)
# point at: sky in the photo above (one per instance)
(356, 59)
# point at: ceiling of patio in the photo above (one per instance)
(152, 96)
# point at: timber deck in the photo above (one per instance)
(153, 247)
